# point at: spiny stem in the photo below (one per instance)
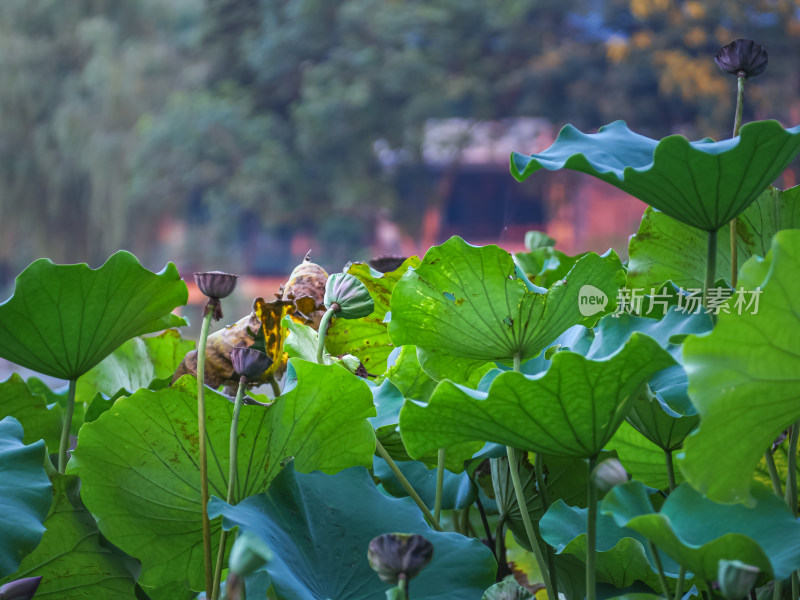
(437, 503)
(323, 329)
(407, 486)
(591, 533)
(201, 426)
(737, 125)
(513, 468)
(773, 474)
(541, 486)
(233, 470)
(66, 426)
(670, 469)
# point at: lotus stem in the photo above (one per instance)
(662, 578)
(323, 329)
(773, 474)
(276, 387)
(437, 503)
(201, 426)
(486, 528)
(66, 426)
(407, 486)
(538, 466)
(711, 265)
(737, 125)
(670, 469)
(679, 584)
(591, 533)
(233, 471)
(513, 468)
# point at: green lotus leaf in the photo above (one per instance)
(458, 369)
(409, 376)
(542, 264)
(645, 461)
(507, 590)
(697, 532)
(40, 418)
(704, 184)
(572, 410)
(139, 460)
(744, 377)
(71, 559)
(458, 492)
(135, 364)
(367, 337)
(665, 249)
(623, 556)
(64, 319)
(471, 302)
(25, 495)
(319, 527)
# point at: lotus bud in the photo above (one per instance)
(215, 285)
(396, 556)
(743, 58)
(249, 362)
(349, 294)
(249, 554)
(608, 474)
(736, 578)
(21, 589)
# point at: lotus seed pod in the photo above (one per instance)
(743, 58)
(350, 294)
(249, 362)
(307, 280)
(215, 285)
(399, 555)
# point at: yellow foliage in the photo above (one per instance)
(642, 9)
(689, 77)
(694, 10)
(617, 49)
(723, 35)
(696, 36)
(642, 39)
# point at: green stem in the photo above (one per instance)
(662, 579)
(670, 469)
(407, 486)
(538, 466)
(437, 503)
(773, 474)
(591, 533)
(276, 387)
(402, 584)
(233, 470)
(777, 591)
(513, 468)
(323, 329)
(795, 585)
(711, 265)
(65, 427)
(791, 469)
(679, 584)
(201, 426)
(737, 125)
(498, 544)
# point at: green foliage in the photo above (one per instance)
(302, 517)
(704, 184)
(26, 494)
(40, 418)
(64, 319)
(743, 377)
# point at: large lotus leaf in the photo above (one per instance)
(31, 409)
(704, 184)
(545, 265)
(572, 410)
(319, 527)
(367, 338)
(64, 319)
(458, 491)
(665, 249)
(301, 341)
(458, 369)
(72, 559)
(138, 461)
(471, 302)
(135, 364)
(25, 495)
(507, 590)
(409, 377)
(642, 459)
(697, 532)
(744, 377)
(622, 554)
